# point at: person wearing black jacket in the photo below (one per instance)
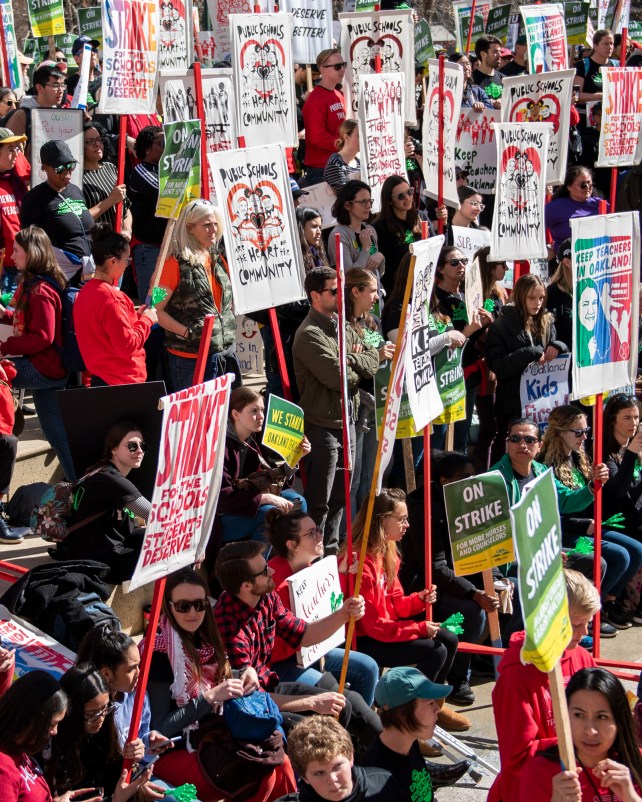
(454, 594)
(559, 295)
(524, 333)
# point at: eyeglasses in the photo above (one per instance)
(100, 713)
(264, 572)
(55, 86)
(579, 432)
(61, 59)
(477, 205)
(10, 103)
(454, 262)
(407, 194)
(340, 65)
(134, 446)
(367, 202)
(185, 605)
(65, 168)
(586, 185)
(527, 438)
(333, 291)
(94, 141)
(315, 533)
(403, 519)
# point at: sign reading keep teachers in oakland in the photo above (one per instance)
(546, 37)
(264, 79)
(537, 535)
(312, 28)
(263, 247)
(130, 57)
(478, 511)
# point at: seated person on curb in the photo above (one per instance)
(250, 614)
(408, 705)
(522, 702)
(322, 755)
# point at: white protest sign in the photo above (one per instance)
(48, 124)
(130, 57)
(175, 34)
(423, 393)
(219, 12)
(384, 36)
(476, 150)
(473, 289)
(381, 130)
(261, 235)
(187, 484)
(249, 346)
(264, 79)
(519, 230)
(543, 98)
(35, 650)
(315, 592)
(544, 387)
(312, 31)
(470, 240)
(620, 140)
(321, 197)
(452, 92)
(546, 37)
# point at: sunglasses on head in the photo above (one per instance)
(185, 605)
(455, 262)
(580, 432)
(65, 168)
(133, 447)
(340, 65)
(529, 439)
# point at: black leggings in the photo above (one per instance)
(432, 656)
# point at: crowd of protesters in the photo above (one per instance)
(227, 630)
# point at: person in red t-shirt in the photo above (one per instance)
(111, 334)
(323, 113)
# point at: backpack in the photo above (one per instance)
(72, 622)
(69, 352)
(49, 516)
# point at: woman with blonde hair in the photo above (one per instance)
(344, 162)
(197, 284)
(38, 335)
(563, 450)
(523, 334)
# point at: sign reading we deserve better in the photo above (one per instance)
(315, 592)
(479, 524)
(537, 536)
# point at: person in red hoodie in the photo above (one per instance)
(323, 113)
(522, 702)
(37, 335)
(111, 333)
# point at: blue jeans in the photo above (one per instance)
(365, 454)
(145, 258)
(243, 527)
(44, 399)
(362, 676)
(181, 370)
(623, 557)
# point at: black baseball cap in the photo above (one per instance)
(564, 250)
(80, 42)
(55, 153)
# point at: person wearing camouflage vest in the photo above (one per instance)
(197, 285)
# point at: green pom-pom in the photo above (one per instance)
(184, 793)
(158, 294)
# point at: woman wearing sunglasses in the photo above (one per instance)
(563, 450)
(575, 198)
(111, 333)
(84, 753)
(298, 542)
(523, 334)
(190, 679)
(398, 225)
(8, 101)
(102, 525)
(352, 210)
(99, 180)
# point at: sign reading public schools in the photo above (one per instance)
(479, 523)
(284, 429)
(537, 536)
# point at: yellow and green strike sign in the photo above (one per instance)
(179, 177)
(538, 543)
(46, 17)
(283, 431)
(479, 524)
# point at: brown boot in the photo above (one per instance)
(428, 750)
(451, 721)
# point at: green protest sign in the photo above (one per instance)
(497, 22)
(405, 422)
(11, 44)
(577, 19)
(179, 177)
(538, 539)
(635, 31)
(424, 48)
(479, 523)
(90, 23)
(450, 381)
(364, 5)
(283, 431)
(46, 17)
